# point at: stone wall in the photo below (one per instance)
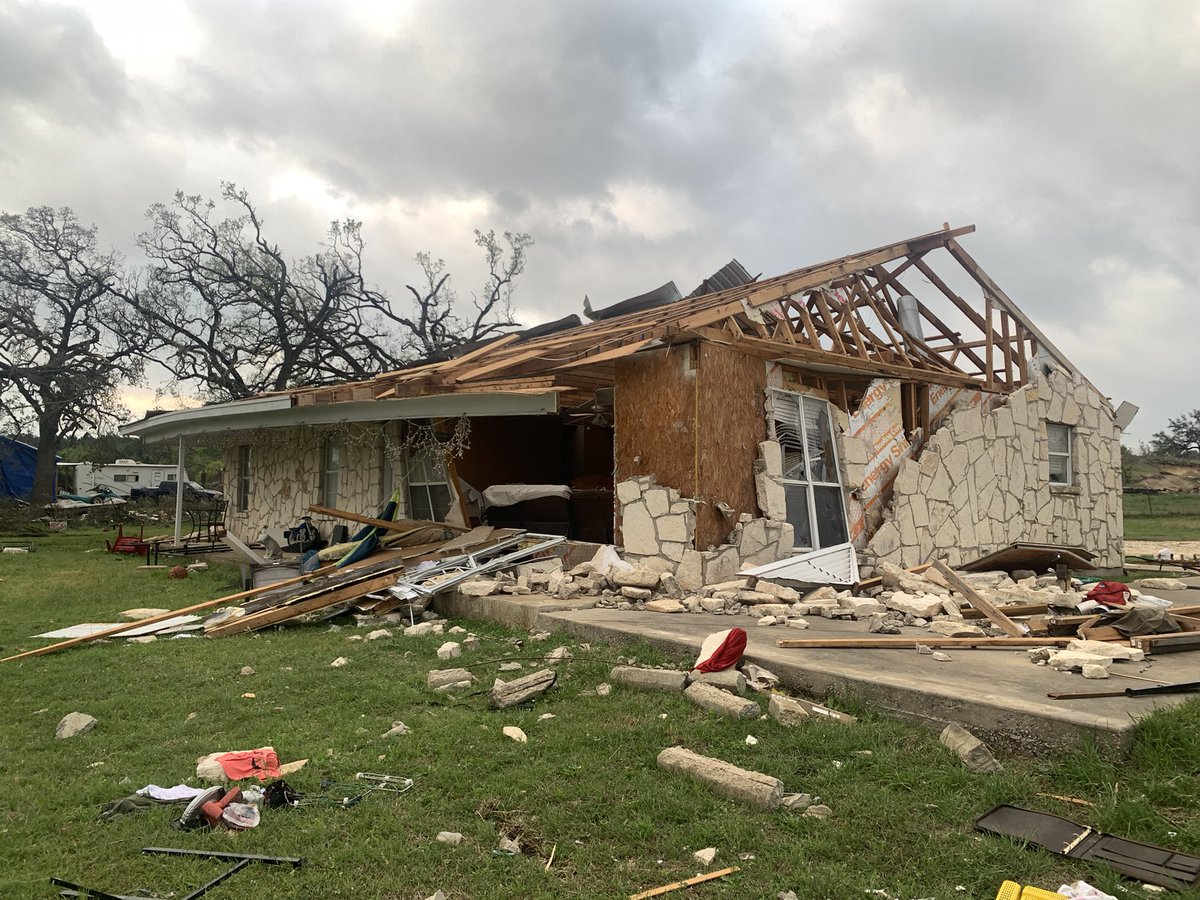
(981, 482)
(285, 477)
(659, 532)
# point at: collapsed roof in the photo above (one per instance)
(857, 315)
(884, 312)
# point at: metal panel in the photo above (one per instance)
(831, 565)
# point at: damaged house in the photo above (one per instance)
(895, 400)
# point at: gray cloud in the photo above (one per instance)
(641, 142)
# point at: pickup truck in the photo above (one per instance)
(166, 489)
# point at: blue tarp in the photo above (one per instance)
(18, 461)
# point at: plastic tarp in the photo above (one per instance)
(18, 461)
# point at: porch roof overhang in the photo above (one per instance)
(282, 411)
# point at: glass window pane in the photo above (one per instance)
(439, 501)
(1060, 469)
(418, 506)
(820, 440)
(1059, 437)
(797, 513)
(831, 520)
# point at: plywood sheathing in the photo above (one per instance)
(731, 424)
(692, 416)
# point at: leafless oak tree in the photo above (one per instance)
(238, 317)
(69, 333)
(435, 328)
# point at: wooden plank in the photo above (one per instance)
(614, 353)
(1161, 643)
(984, 280)
(687, 882)
(318, 600)
(207, 604)
(933, 640)
(400, 525)
(981, 603)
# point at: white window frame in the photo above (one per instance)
(778, 399)
(331, 464)
(245, 472)
(1067, 456)
(415, 477)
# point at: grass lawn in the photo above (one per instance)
(1152, 517)
(586, 783)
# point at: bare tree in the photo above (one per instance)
(435, 328)
(239, 317)
(69, 333)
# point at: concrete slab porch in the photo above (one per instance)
(998, 694)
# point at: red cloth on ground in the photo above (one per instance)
(721, 650)
(1110, 593)
(261, 764)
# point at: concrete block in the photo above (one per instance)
(649, 679)
(727, 780)
(973, 752)
(722, 702)
(637, 577)
(786, 711)
(637, 530)
(726, 680)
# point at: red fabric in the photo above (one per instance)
(1110, 593)
(727, 653)
(261, 764)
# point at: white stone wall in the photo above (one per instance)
(982, 481)
(658, 531)
(286, 477)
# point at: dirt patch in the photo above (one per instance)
(1186, 549)
(512, 824)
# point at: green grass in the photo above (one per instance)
(1152, 517)
(586, 783)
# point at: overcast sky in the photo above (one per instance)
(641, 142)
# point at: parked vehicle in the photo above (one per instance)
(166, 489)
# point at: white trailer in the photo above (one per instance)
(120, 477)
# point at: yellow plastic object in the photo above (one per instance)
(1010, 890)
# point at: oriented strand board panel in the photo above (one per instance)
(654, 405)
(731, 423)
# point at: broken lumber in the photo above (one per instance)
(306, 603)
(909, 643)
(977, 600)
(726, 779)
(207, 604)
(521, 690)
(403, 525)
(687, 882)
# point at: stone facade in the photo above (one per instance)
(658, 529)
(982, 480)
(285, 477)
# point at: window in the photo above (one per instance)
(428, 490)
(815, 504)
(243, 478)
(330, 464)
(171, 476)
(1060, 438)
(124, 478)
